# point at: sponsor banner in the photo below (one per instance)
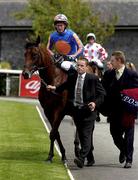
(29, 87)
(130, 100)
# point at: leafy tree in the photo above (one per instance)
(5, 65)
(82, 18)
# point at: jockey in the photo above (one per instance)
(65, 42)
(94, 52)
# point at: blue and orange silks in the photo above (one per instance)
(66, 43)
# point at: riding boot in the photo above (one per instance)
(98, 119)
(71, 70)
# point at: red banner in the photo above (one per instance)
(29, 87)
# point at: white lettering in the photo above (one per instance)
(131, 101)
(33, 86)
(126, 98)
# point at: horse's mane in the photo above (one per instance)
(30, 45)
(59, 75)
(43, 48)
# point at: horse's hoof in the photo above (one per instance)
(64, 160)
(66, 164)
(48, 161)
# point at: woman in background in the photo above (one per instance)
(131, 66)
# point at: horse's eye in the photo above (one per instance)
(35, 56)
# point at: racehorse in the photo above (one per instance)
(37, 58)
(55, 105)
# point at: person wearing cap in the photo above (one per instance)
(93, 51)
(95, 54)
(65, 42)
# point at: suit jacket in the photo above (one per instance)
(92, 89)
(113, 87)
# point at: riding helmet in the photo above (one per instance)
(60, 18)
(91, 35)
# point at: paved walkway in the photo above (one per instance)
(107, 166)
(106, 154)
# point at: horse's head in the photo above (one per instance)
(33, 58)
(37, 57)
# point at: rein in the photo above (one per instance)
(36, 59)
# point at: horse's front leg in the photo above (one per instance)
(77, 144)
(51, 151)
(62, 149)
(54, 135)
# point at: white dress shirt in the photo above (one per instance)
(119, 72)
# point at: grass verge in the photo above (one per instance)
(24, 145)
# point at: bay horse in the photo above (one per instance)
(37, 58)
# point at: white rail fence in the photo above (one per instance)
(13, 84)
(8, 75)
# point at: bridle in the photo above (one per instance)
(34, 66)
(55, 60)
(35, 59)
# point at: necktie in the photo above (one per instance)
(117, 74)
(78, 99)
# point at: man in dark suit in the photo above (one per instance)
(114, 82)
(86, 94)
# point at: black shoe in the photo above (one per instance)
(90, 160)
(128, 165)
(90, 163)
(79, 162)
(122, 157)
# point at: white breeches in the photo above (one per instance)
(99, 63)
(66, 65)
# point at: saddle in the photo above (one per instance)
(58, 59)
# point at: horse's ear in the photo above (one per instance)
(27, 40)
(38, 40)
(28, 43)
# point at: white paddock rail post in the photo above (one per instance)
(8, 80)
